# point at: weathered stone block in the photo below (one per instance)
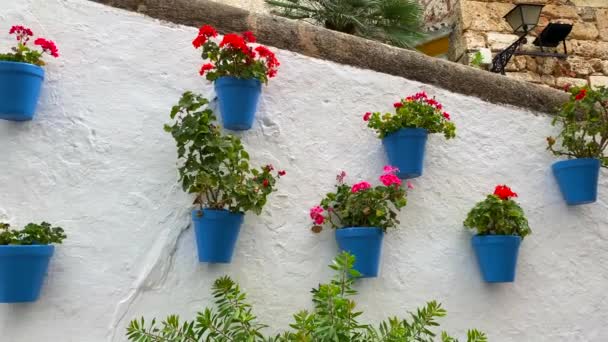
(580, 66)
(546, 66)
(531, 63)
(586, 13)
(517, 63)
(590, 3)
(560, 12)
(598, 81)
(484, 16)
(474, 40)
(597, 65)
(499, 41)
(564, 81)
(586, 48)
(602, 23)
(525, 76)
(548, 80)
(584, 31)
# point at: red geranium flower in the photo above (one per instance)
(20, 30)
(581, 94)
(446, 116)
(398, 104)
(235, 41)
(504, 192)
(199, 41)
(265, 183)
(282, 173)
(367, 116)
(249, 36)
(48, 46)
(272, 63)
(207, 31)
(206, 67)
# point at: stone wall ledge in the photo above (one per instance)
(318, 42)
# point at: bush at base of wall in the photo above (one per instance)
(334, 318)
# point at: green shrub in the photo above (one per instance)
(333, 319)
(584, 121)
(31, 234)
(213, 165)
(498, 214)
(396, 22)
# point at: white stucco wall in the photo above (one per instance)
(97, 162)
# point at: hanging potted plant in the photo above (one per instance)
(584, 138)
(361, 214)
(24, 260)
(501, 226)
(404, 133)
(21, 75)
(215, 167)
(238, 71)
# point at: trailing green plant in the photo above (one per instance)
(333, 319)
(234, 57)
(31, 234)
(477, 60)
(584, 120)
(362, 205)
(396, 22)
(213, 165)
(23, 53)
(416, 111)
(498, 214)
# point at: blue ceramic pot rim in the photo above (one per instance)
(579, 162)
(409, 132)
(230, 80)
(495, 239)
(24, 68)
(215, 213)
(359, 231)
(41, 250)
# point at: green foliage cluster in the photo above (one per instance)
(396, 22)
(477, 60)
(31, 234)
(584, 120)
(215, 166)
(416, 111)
(373, 207)
(496, 216)
(23, 54)
(334, 318)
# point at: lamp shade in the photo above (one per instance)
(523, 18)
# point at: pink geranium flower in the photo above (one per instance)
(390, 179)
(360, 186)
(389, 169)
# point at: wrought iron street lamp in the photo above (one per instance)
(523, 19)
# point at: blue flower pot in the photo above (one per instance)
(365, 243)
(19, 90)
(216, 234)
(497, 256)
(577, 179)
(22, 271)
(405, 150)
(238, 100)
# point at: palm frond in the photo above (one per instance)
(396, 22)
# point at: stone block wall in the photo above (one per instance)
(480, 25)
